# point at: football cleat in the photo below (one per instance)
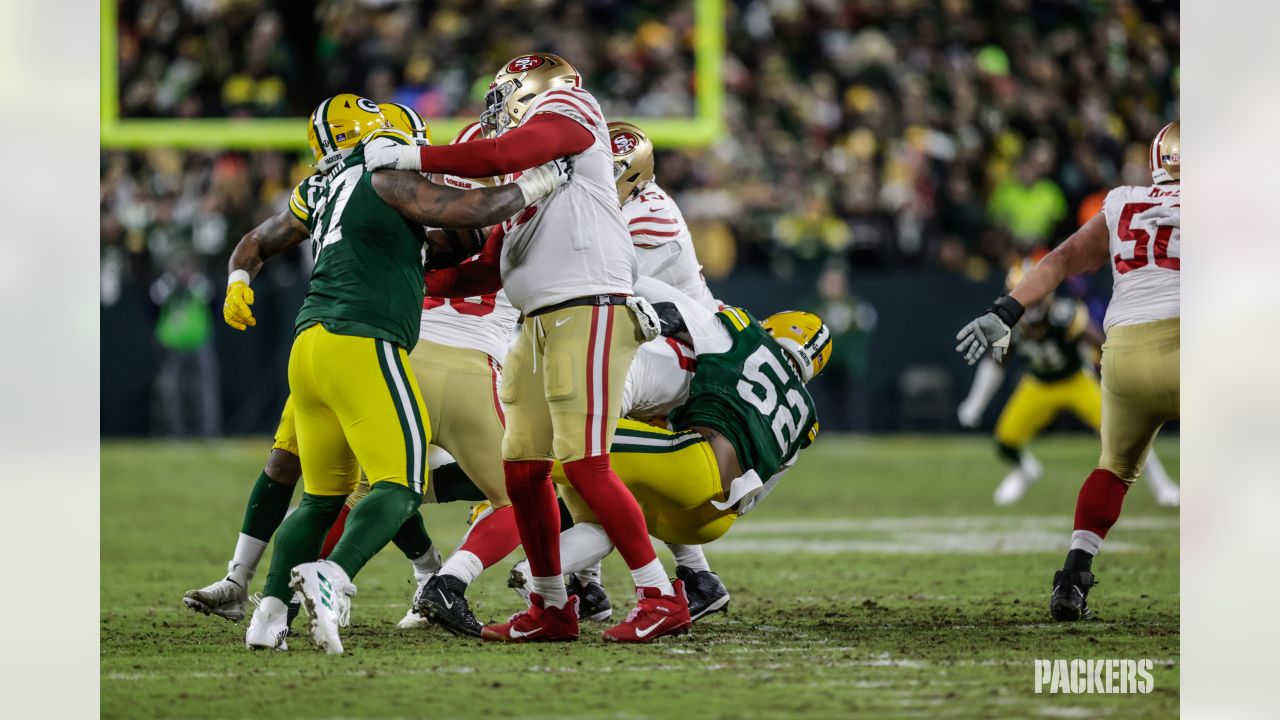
(593, 601)
(269, 625)
(705, 592)
(655, 615)
(442, 599)
(411, 618)
(537, 623)
(226, 598)
(1069, 601)
(518, 579)
(1169, 496)
(326, 596)
(1011, 488)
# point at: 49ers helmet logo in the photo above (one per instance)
(527, 62)
(624, 143)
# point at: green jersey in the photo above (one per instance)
(1050, 342)
(752, 396)
(369, 262)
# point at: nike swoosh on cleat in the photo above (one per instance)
(645, 631)
(445, 599)
(517, 634)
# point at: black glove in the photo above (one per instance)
(670, 318)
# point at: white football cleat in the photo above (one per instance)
(326, 596)
(227, 597)
(1169, 496)
(1012, 488)
(1031, 468)
(412, 619)
(519, 579)
(269, 625)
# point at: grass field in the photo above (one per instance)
(878, 581)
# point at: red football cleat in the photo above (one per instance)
(654, 616)
(538, 623)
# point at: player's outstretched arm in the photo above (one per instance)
(543, 138)
(428, 203)
(275, 235)
(705, 332)
(1085, 250)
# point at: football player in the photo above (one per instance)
(1056, 379)
(695, 481)
(273, 491)
(664, 247)
(567, 264)
(1138, 235)
(358, 322)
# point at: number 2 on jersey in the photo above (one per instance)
(1139, 254)
(761, 391)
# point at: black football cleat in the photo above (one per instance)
(704, 590)
(445, 604)
(593, 601)
(1069, 601)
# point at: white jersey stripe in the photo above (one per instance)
(406, 401)
(600, 316)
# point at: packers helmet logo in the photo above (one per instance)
(367, 105)
(522, 64)
(624, 142)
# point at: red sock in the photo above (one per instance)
(1099, 502)
(335, 532)
(614, 506)
(494, 536)
(533, 501)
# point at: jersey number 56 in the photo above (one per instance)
(1132, 257)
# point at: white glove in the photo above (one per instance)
(544, 179)
(1163, 216)
(986, 331)
(392, 156)
(646, 316)
(970, 414)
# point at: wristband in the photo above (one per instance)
(238, 275)
(1007, 309)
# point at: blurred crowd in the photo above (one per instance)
(947, 135)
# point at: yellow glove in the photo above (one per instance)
(235, 310)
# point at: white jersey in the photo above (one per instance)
(1145, 258)
(658, 380)
(481, 323)
(664, 247)
(574, 242)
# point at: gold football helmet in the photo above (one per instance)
(406, 120)
(1166, 165)
(521, 80)
(804, 338)
(632, 159)
(337, 125)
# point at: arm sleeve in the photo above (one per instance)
(708, 335)
(480, 276)
(540, 140)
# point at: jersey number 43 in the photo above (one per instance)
(762, 391)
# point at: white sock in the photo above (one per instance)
(244, 563)
(551, 589)
(464, 565)
(589, 575)
(653, 575)
(427, 564)
(1087, 541)
(690, 556)
(582, 546)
